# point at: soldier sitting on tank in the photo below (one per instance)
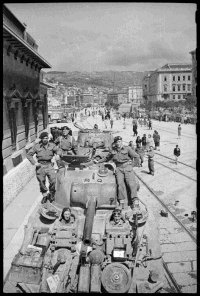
(122, 156)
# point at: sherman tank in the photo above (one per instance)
(94, 142)
(99, 249)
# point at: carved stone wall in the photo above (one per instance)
(21, 85)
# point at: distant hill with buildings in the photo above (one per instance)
(120, 79)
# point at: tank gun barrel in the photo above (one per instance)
(87, 233)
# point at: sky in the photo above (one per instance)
(117, 36)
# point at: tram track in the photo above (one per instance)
(167, 208)
(172, 277)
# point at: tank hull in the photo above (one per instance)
(91, 252)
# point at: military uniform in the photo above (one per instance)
(124, 171)
(150, 155)
(119, 224)
(66, 145)
(44, 155)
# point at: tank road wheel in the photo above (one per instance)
(116, 278)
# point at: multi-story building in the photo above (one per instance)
(145, 85)
(194, 73)
(122, 97)
(87, 98)
(22, 100)
(170, 82)
(135, 94)
(24, 103)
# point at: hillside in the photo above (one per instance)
(96, 79)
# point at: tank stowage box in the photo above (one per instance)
(27, 269)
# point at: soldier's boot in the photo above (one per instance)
(121, 204)
(135, 203)
(51, 197)
(44, 199)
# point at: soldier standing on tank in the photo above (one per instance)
(44, 167)
(122, 156)
(150, 154)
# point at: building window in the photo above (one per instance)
(165, 78)
(173, 88)
(188, 87)
(179, 96)
(179, 78)
(179, 87)
(183, 87)
(174, 97)
(165, 87)
(173, 78)
(188, 77)
(184, 97)
(183, 78)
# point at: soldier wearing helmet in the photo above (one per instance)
(44, 167)
(122, 156)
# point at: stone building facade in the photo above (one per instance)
(170, 82)
(24, 101)
(135, 94)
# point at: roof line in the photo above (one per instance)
(26, 45)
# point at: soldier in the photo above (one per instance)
(66, 142)
(67, 145)
(44, 167)
(116, 218)
(150, 155)
(122, 156)
(66, 217)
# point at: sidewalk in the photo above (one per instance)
(15, 216)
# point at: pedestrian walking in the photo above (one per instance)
(135, 129)
(44, 152)
(149, 142)
(179, 131)
(140, 151)
(122, 156)
(138, 142)
(150, 154)
(144, 141)
(150, 124)
(177, 153)
(141, 122)
(111, 122)
(106, 122)
(156, 138)
(102, 116)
